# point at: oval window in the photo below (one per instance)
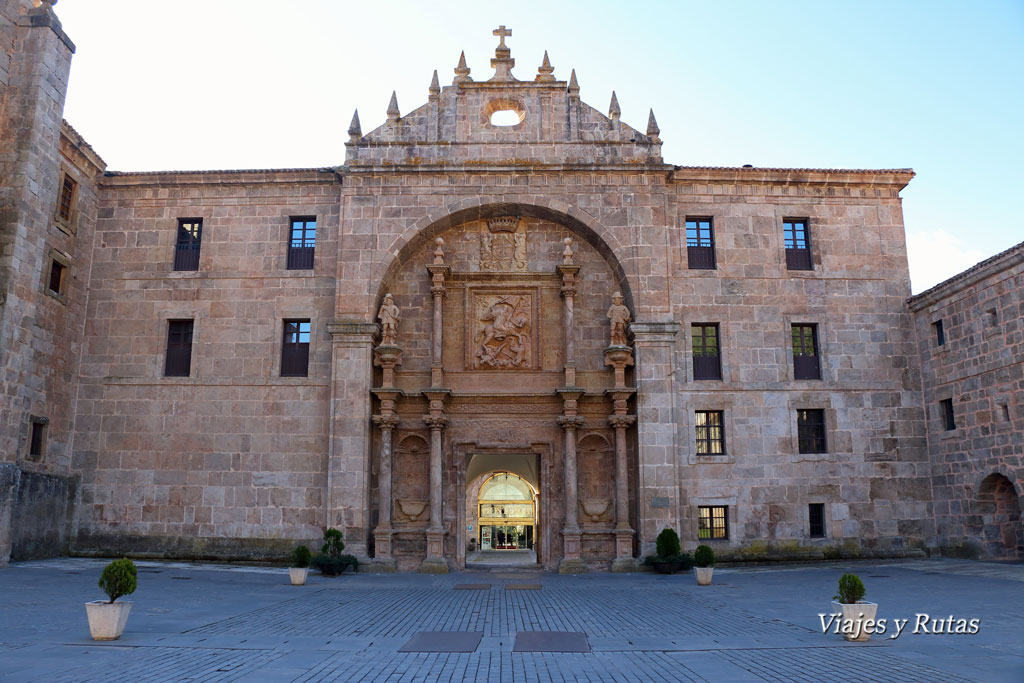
(506, 117)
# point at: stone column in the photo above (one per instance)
(438, 272)
(382, 533)
(658, 488)
(572, 562)
(347, 504)
(435, 562)
(569, 273)
(623, 531)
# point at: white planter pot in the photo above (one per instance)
(107, 619)
(859, 614)
(298, 575)
(704, 575)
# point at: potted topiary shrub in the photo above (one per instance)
(107, 619)
(300, 565)
(669, 558)
(857, 613)
(704, 561)
(330, 561)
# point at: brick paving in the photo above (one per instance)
(246, 623)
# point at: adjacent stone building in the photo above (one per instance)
(503, 322)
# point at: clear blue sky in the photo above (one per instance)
(936, 86)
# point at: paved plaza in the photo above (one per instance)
(219, 623)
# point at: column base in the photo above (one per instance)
(380, 565)
(434, 565)
(572, 565)
(623, 543)
(382, 543)
(623, 565)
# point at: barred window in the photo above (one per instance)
(707, 359)
(806, 362)
(302, 243)
(710, 427)
(700, 244)
(295, 349)
(66, 205)
(186, 249)
(797, 237)
(948, 417)
(816, 515)
(810, 428)
(178, 359)
(712, 522)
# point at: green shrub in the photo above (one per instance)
(332, 543)
(119, 578)
(301, 557)
(351, 561)
(668, 543)
(704, 556)
(851, 589)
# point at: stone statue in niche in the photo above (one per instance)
(503, 340)
(503, 245)
(619, 316)
(389, 317)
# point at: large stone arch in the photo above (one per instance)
(998, 511)
(456, 213)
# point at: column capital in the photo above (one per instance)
(570, 421)
(620, 421)
(386, 422)
(435, 422)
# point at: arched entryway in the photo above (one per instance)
(998, 517)
(505, 520)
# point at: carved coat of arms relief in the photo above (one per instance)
(504, 331)
(503, 245)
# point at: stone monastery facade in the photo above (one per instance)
(219, 364)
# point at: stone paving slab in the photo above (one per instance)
(442, 641)
(751, 624)
(550, 641)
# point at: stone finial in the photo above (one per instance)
(574, 86)
(435, 87)
(613, 109)
(619, 316)
(47, 4)
(439, 251)
(355, 131)
(389, 317)
(393, 112)
(567, 252)
(502, 62)
(545, 71)
(462, 71)
(652, 128)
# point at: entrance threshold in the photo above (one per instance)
(501, 559)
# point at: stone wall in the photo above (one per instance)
(977, 467)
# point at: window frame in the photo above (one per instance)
(177, 363)
(813, 439)
(188, 252)
(700, 256)
(940, 333)
(67, 223)
(704, 433)
(947, 413)
(805, 369)
(820, 507)
(302, 256)
(289, 366)
(709, 371)
(37, 438)
(706, 524)
(797, 258)
(58, 258)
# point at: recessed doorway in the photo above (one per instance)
(502, 510)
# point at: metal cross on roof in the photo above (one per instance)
(502, 33)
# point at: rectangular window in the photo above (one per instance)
(302, 243)
(700, 244)
(948, 418)
(707, 360)
(940, 333)
(37, 440)
(295, 349)
(66, 205)
(186, 249)
(713, 522)
(57, 272)
(810, 431)
(710, 432)
(798, 244)
(178, 360)
(816, 514)
(806, 362)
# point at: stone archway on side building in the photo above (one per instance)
(998, 518)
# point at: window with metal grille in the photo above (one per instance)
(37, 439)
(186, 249)
(712, 522)
(810, 431)
(295, 349)
(940, 333)
(178, 360)
(798, 244)
(700, 244)
(66, 205)
(57, 271)
(806, 362)
(816, 515)
(707, 360)
(710, 427)
(948, 418)
(302, 243)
